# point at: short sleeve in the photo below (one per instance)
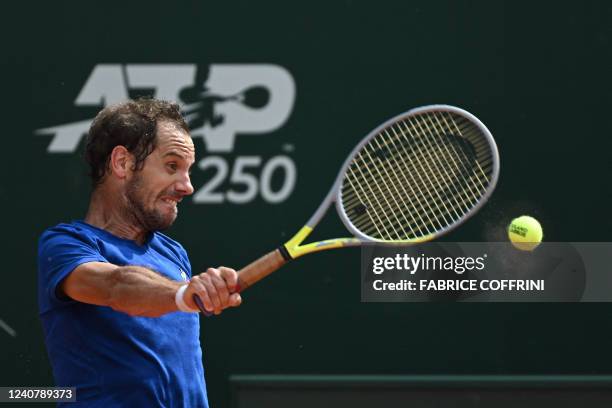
(185, 260)
(61, 249)
(172, 249)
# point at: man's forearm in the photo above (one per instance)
(141, 292)
(133, 290)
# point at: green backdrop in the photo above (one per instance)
(537, 74)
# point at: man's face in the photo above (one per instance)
(154, 192)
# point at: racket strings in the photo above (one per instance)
(440, 163)
(469, 147)
(397, 185)
(357, 201)
(368, 220)
(370, 195)
(424, 225)
(438, 210)
(417, 176)
(410, 185)
(471, 134)
(459, 162)
(426, 209)
(427, 170)
(395, 195)
(425, 195)
(478, 177)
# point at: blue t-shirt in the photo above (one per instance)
(114, 359)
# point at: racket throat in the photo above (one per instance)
(285, 253)
(291, 248)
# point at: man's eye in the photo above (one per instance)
(172, 166)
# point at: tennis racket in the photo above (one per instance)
(412, 179)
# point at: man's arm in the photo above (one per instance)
(139, 291)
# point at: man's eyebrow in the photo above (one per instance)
(174, 153)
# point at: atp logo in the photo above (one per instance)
(221, 103)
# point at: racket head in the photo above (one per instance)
(417, 176)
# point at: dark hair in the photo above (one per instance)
(132, 124)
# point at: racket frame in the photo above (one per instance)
(293, 248)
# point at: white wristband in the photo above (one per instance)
(180, 302)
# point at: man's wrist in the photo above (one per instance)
(179, 299)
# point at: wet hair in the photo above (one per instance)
(132, 124)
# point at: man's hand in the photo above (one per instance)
(215, 288)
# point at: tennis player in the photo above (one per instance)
(115, 294)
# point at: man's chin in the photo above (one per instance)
(167, 223)
(160, 221)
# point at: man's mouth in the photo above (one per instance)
(171, 201)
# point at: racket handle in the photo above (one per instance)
(198, 301)
(252, 273)
(259, 269)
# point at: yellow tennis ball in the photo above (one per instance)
(525, 233)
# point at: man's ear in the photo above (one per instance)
(121, 162)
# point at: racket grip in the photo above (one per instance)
(259, 269)
(252, 273)
(198, 301)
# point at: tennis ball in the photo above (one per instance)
(525, 233)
